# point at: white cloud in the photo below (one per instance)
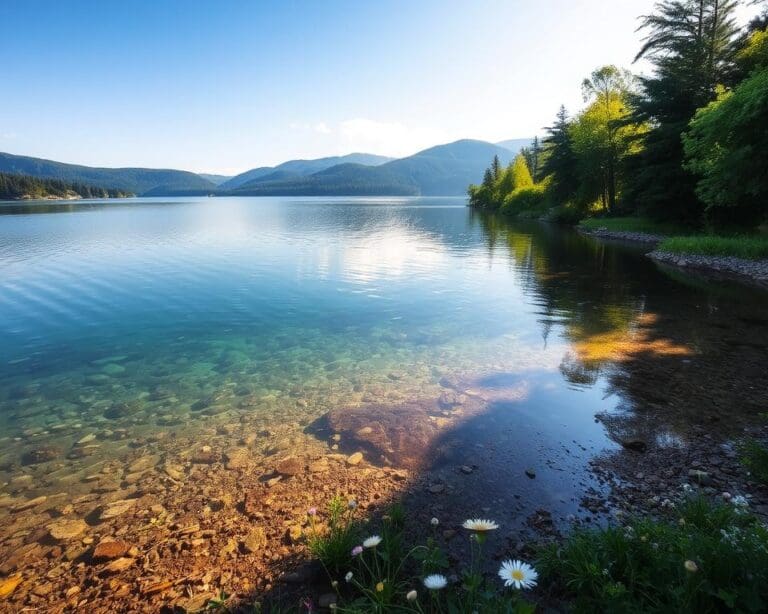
(371, 136)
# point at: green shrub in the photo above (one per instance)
(565, 214)
(527, 199)
(705, 558)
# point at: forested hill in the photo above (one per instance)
(294, 169)
(443, 170)
(138, 181)
(22, 187)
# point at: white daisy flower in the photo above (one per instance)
(412, 596)
(518, 574)
(349, 576)
(480, 525)
(435, 582)
(372, 541)
(434, 522)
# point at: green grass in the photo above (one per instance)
(629, 224)
(750, 248)
(703, 558)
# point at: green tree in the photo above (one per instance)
(521, 175)
(533, 157)
(727, 149)
(560, 162)
(601, 127)
(692, 45)
(496, 168)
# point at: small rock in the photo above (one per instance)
(436, 489)
(530, 473)
(637, 445)
(66, 529)
(255, 540)
(116, 508)
(110, 549)
(119, 565)
(290, 466)
(355, 459)
(700, 477)
(236, 458)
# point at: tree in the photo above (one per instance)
(560, 160)
(496, 168)
(692, 45)
(607, 88)
(521, 175)
(727, 149)
(533, 157)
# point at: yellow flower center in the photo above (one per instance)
(518, 575)
(379, 587)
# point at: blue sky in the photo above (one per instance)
(229, 85)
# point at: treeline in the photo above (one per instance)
(687, 144)
(15, 187)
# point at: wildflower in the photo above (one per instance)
(480, 525)
(372, 541)
(357, 550)
(434, 522)
(518, 574)
(349, 576)
(379, 587)
(334, 584)
(412, 596)
(691, 566)
(312, 511)
(435, 582)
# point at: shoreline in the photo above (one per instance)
(752, 272)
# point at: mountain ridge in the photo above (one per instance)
(441, 170)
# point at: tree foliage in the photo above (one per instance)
(17, 187)
(727, 149)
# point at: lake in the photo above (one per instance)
(153, 336)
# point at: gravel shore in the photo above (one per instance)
(755, 271)
(752, 271)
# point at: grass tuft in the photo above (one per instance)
(705, 558)
(629, 224)
(749, 248)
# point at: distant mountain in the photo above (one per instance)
(444, 170)
(515, 145)
(300, 168)
(140, 181)
(215, 179)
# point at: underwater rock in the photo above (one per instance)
(116, 508)
(236, 458)
(290, 466)
(66, 529)
(399, 434)
(123, 409)
(40, 455)
(354, 459)
(113, 369)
